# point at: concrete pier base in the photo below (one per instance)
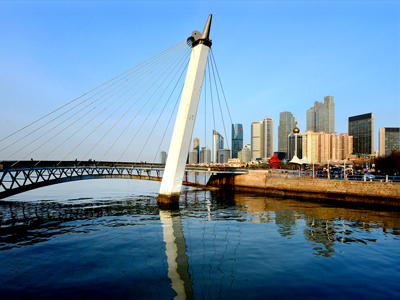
(168, 202)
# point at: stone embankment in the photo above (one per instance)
(276, 183)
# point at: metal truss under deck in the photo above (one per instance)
(25, 177)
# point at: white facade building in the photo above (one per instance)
(218, 143)
(268, 138)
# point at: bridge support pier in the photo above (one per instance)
(171, 184)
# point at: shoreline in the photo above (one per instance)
(269, 182)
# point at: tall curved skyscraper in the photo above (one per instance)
(237, 139)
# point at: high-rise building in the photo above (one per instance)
(163, 157)
(245, 153)
(224, 155)
(196, 145)
(268, 151)
(193, 156)
(342, 146)
(321, 117)
(334, 147)
(389, 140)
(262, 139)
(361, 127)
(256, 139)
(218, 143)
(286, 125)
(295, 142)
(310, 145)
(237, 139)
(205, 155)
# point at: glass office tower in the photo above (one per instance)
(389, 140)
(286, 125)
(237, 139)
(361, 127)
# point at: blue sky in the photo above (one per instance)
(272, 56)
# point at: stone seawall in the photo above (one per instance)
(347, 190)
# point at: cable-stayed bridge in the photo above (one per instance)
(25, 176)
(122, 122)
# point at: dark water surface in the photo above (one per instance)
(108, 239)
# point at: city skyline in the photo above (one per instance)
(353, 57)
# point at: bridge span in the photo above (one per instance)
(22, 176)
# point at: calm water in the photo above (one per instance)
(108, 239)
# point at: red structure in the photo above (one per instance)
(274, 162)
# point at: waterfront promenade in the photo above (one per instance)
(276, 182)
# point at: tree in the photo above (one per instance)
(388, 165)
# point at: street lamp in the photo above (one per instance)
(313, 168)
(329, 173)
(344, 168)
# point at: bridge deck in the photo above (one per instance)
(19, 177)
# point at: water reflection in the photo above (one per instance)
(175, 249)
(216, 245)
(325, 224)
(24, 223)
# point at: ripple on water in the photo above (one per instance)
(96, 243)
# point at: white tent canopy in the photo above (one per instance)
(305, 161)
(295, 160)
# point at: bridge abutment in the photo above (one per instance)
(275, 183)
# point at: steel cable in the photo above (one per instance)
(103, 120)
(169, 49)
(183, 71)
(147, 115)
(165, 131)
(222, 88)
(219, 103)
(67, 118)
(132, 119)
(67, 126)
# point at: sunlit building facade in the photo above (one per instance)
(268, 138)
(218, 143)
(310, 145)
(205, 155)
(321, 117)
(224, 155)
(256, 139)
(389, 140)
(193, 156)
(245, 154)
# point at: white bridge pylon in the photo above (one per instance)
(171, 184)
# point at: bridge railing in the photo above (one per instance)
(333, 176)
